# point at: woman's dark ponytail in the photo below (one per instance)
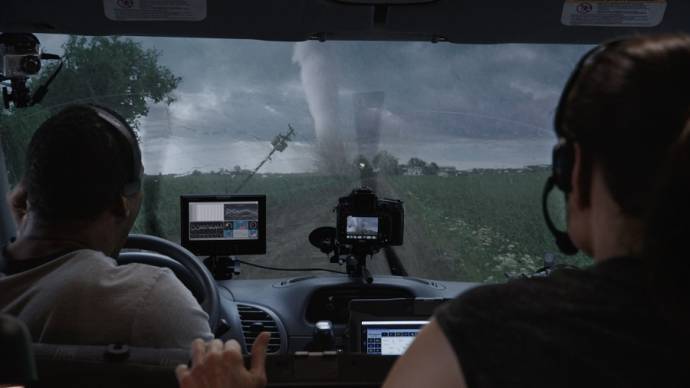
(668, 235)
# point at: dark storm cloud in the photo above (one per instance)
(249, 89)
(252, 89)
(436, 95)
(475, 91)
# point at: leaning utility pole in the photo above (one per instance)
(279, 143)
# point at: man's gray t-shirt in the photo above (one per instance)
(85, 298)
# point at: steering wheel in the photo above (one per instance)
(186, 266)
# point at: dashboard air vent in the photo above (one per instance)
(254, 321)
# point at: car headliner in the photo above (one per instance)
(459, 21)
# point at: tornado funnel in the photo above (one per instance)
(368, 107)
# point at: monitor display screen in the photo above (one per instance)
(362, 228)
(219, 225)
(389, 338)
(237, 220)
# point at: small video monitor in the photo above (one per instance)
(389, 338)
(362, 228)
(387, 327)
(215, 225)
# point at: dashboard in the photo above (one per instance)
(291, 307)
(313, 313)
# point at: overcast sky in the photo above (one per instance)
(462, 105)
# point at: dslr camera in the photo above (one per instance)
(20, 58)
(20, 55)
(366, 221)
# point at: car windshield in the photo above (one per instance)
(462, 134)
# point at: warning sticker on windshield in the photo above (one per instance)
(155, 10)
(613, 13)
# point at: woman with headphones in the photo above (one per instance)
(623, 162)
(623, 125)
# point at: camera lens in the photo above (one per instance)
(30, 64)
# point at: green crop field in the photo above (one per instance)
(483, 225)
(478, 226)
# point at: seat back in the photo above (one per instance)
(110, 366)
(16, 359)
(106, 366)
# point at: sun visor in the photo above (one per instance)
(155, 10)
(386, 2)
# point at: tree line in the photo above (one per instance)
(115, 72)
(387, 164)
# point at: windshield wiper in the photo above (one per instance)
(394, 263)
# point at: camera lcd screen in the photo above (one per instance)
(362, 228)
(224, 224)
(389, 338)
(237, 220)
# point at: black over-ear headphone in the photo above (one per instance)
(119, 127)
(563, 156)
